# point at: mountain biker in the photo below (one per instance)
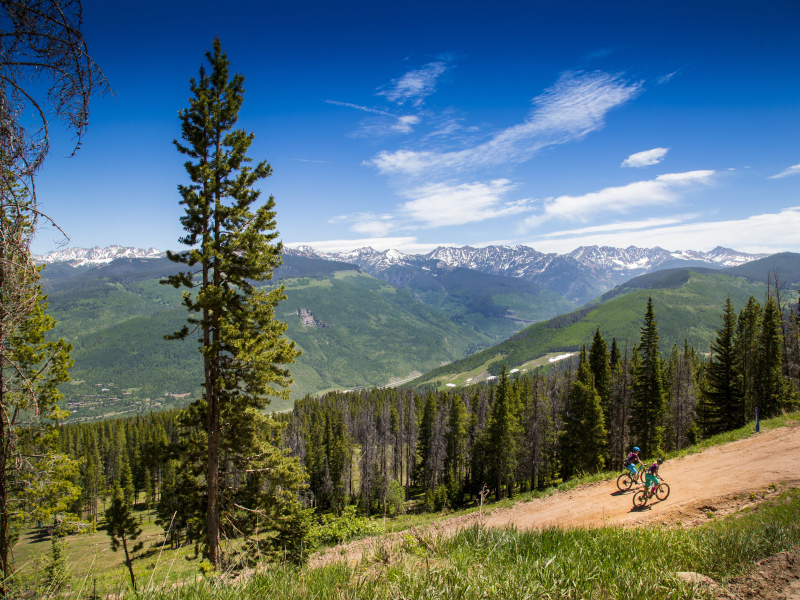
(651, 477)
(633, 457)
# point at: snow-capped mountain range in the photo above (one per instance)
(519, 261)
(580, 275)
(78, 257)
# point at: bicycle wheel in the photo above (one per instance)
(624, 482)
(663, 491)
(640, 499)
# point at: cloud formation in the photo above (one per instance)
(572, 108)
(786, 172)
(664, 189)
(407, 245)
(405, 124)
(441, 204)
(768, 233)
(646, 158)
(374, 111)
(622, 226)
(366, 223)
(402, 124)
(415, 85)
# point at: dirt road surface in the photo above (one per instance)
(708, 482)
(714, 482)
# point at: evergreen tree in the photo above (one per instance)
(232, 246)
(126, 481)
(723, 405)
(57, 570)
(147, 486)
(502, 430)
(122, 528)
(455, 449)
(614, 355)
(771, 389)
(582, 439)
(31, 369)
(425, 475)
(601, 369)
(748, 332)
(647, 410)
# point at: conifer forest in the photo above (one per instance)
(543, 371)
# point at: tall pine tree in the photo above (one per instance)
(647, 409)
(232, 245)
(583, 437)
(500, 438)
(723, 399)
(771, 387)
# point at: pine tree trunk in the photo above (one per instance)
(128, 562)
(6, 572)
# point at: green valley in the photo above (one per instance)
(688, 303)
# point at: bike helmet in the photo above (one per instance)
(660, 460)
(636, 449)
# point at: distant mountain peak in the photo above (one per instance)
(78, 257)
(579, 275)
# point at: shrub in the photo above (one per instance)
(335, 530)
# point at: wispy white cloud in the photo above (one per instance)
(571, 109)
(646, 158)
(366, 223)
(667, 77)
(770, 232)
(441, 204)
(664, 189)
(400, 124)
(405, 124)
(407, 245)
(415, 85)
(786, 172)
(374, 111)
(620, 226)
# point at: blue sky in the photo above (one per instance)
(417, 124)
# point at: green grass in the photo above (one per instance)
(91, 561)
(602, 563)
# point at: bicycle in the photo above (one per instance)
(641, 497)
(626, 480)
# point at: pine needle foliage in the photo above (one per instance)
(722, 405)
(123, 529)
(647, 411)
(232, 249)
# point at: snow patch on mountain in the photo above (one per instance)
(78, 257)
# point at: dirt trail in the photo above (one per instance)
(714, 482)
(701, 483)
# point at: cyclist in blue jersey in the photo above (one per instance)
(630, 462)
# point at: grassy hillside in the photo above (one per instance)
(687, 303)
(364, 332)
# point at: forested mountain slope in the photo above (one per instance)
(358, 331)
(687, 301)
(493, 305)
